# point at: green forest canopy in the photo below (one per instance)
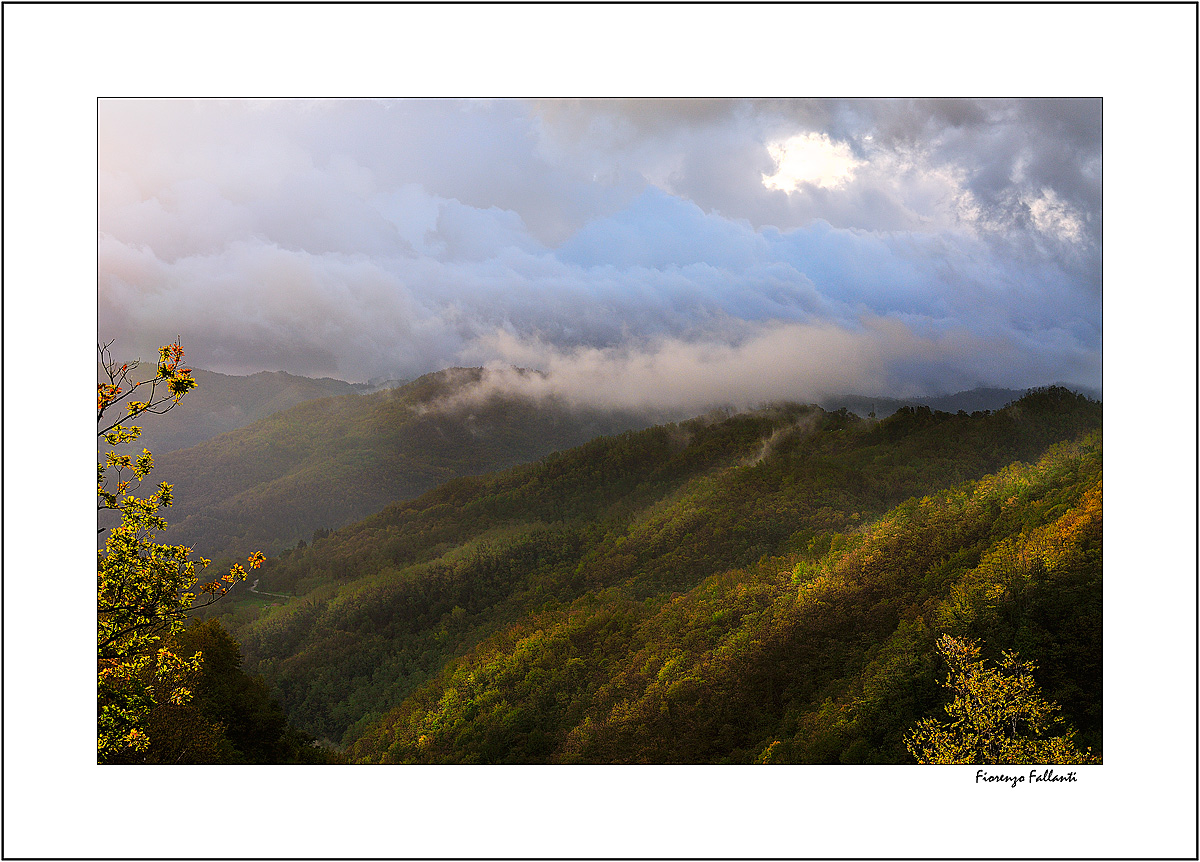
(758, 587)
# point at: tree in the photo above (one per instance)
(144, 589)
(230, 718)
(997, 716)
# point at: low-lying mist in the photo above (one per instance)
(798, 362)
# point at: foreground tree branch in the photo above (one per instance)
(144, 590)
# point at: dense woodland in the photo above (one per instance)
(764, 586)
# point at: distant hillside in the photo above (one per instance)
(328, 462)
(297, 461)
(970, 400)
(698, 592)
(224, 402)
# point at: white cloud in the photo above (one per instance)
(1053, 216)
(810, 159)
(770, 362)
(389, 238)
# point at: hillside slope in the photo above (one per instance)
(790, 659)
(225, 402)
(620, 527)
(332, 461)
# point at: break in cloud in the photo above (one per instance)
(680, 253)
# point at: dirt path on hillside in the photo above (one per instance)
(254, 589)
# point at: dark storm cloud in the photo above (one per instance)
(920, 245)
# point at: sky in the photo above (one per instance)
(700, 251)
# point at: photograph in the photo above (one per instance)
(579, 431)
(600, 431)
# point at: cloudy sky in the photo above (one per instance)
(693, 251)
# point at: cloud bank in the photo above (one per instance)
(697, 252)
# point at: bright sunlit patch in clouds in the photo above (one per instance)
(812, 158)
(1051, 215)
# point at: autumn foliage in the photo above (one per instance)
(997, 715)
(145, 589)
(690, 594)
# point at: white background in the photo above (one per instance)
(59, 59)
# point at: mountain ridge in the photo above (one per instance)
(330, 459)
(226, 402)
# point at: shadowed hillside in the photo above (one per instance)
(225, 402)
(332, 461)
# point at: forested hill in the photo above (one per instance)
(736, 587)
(969, 400)
(225, 402)
(331, 461)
